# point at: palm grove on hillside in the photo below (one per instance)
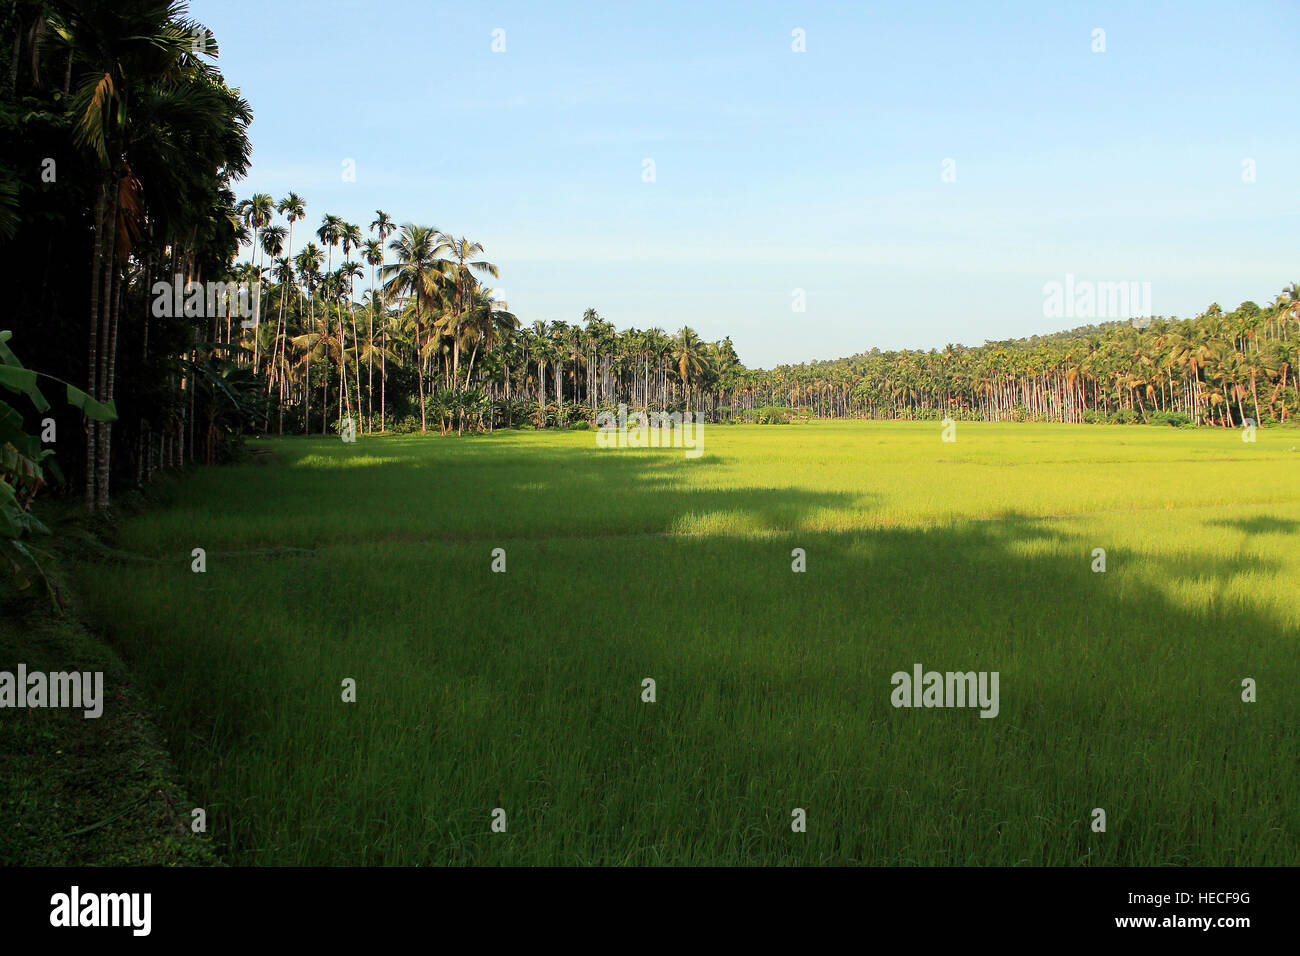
(122, 142)
(449, 353)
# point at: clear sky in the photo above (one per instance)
(777, 170)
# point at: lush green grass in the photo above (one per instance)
(99, 792)
(522, 690)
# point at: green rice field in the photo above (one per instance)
(478, 690)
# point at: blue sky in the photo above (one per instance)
(776, 170)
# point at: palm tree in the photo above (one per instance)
(256, 213)
(272, 245)
(329, 233)
(414, 276)
(308, 263)
(1291, 295)
(317, 343)
(1283, 359)
(461, 268)
(689, 360)
(125, 49)
(488, 325)
(373, 252)
(539, 350)
(350, 271)
(382, 226)
(333, 289)
(559, 343)
(284, 274)
(445, 402)
(292, 208)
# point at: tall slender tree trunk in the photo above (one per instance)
(106, 313)
(107, 386)
(419, 369)
(92, 336)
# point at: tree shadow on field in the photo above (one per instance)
(480, 489)
(1113, 694)
(1258, 524)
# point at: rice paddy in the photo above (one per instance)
(522, 691)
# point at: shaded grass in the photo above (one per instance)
(78, 792)
(522, 690)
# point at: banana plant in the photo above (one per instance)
(25, 463)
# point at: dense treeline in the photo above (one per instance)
(425, 344)
(458, 359)
(438, 350)
(120, 143)
(1216, 369)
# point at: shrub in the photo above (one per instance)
(1123, 416)
(770, 415)
(1175, 419)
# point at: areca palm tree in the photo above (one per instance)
(256, 213)
(283, 273)
(382, 226)
(538, 344)
(308, 263)
(334, 289)
(126, 52)
(272, 243)
(292, 208)
(373, 252)
(329, 233)
(559, 346)
(349, 272)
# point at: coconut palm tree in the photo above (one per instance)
(487, 325)
(689, 360)
(461, 266)
(1291, 296)
(414, 276)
